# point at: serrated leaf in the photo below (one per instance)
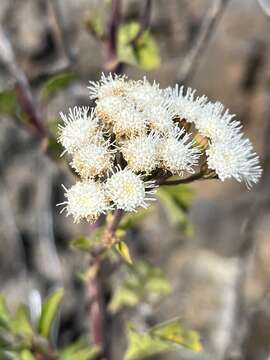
(142, 281)
(8, 102)
(49, 311)
(165, 337)
(57, 83)
(142, 346)
(27, 355)
(80, 350)
(144, 52)
(123, 250)
(20, 323)
(173, 331)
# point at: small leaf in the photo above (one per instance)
(142, 346)
(169, 336)
(123, 297)
(20, 323)
(85, 244)
(131, 292)
(5, 316)
(123, 250)
(144, 52)
(57, 83)
(81, 243)
(26, 355)
(80, 350)
(8, 102)
(176, 201)
(173, 331)
(94, 24)
(49, 310)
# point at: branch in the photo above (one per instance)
(208, 26)
(22, 87)
(111, 63)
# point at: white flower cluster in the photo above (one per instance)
(138, 132)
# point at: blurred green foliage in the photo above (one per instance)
(8, 102)
(22, 340)
(176, 200)
(57, 83)
(165, 337)
(143, 52)
(142, 282)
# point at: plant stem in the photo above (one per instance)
(97, 313)
(182, 181)
(111, 62)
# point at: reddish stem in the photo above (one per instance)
(94, 290)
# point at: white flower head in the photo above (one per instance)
(141, 153)
(143, 93)
(93, 159)
(127, 190)
(108, 85)
(159, 117)
(217, 124)
(86, 201)
(178, 153)
(129, 122)
(234, 158)
(108, 106)
(185, 104)
(78, 129)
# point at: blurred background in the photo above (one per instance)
(220, 268)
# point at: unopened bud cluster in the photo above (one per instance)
(138, 133)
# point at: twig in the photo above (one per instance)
(209, 23)
(22, 87)
(145, 21)
(182, 181)
(111, 62)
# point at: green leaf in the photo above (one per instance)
(57, 83)
(174, 332)
(165, 337)
(5, 316)
(85, 244)
(131, 292)
(123, 250)
(20, 323)
(49, 311)
(176, 201)
(143, 53)
(9, 355)
(81, 243)
(8, 102)
(94, 24)
(80, 350)
(26, 355)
